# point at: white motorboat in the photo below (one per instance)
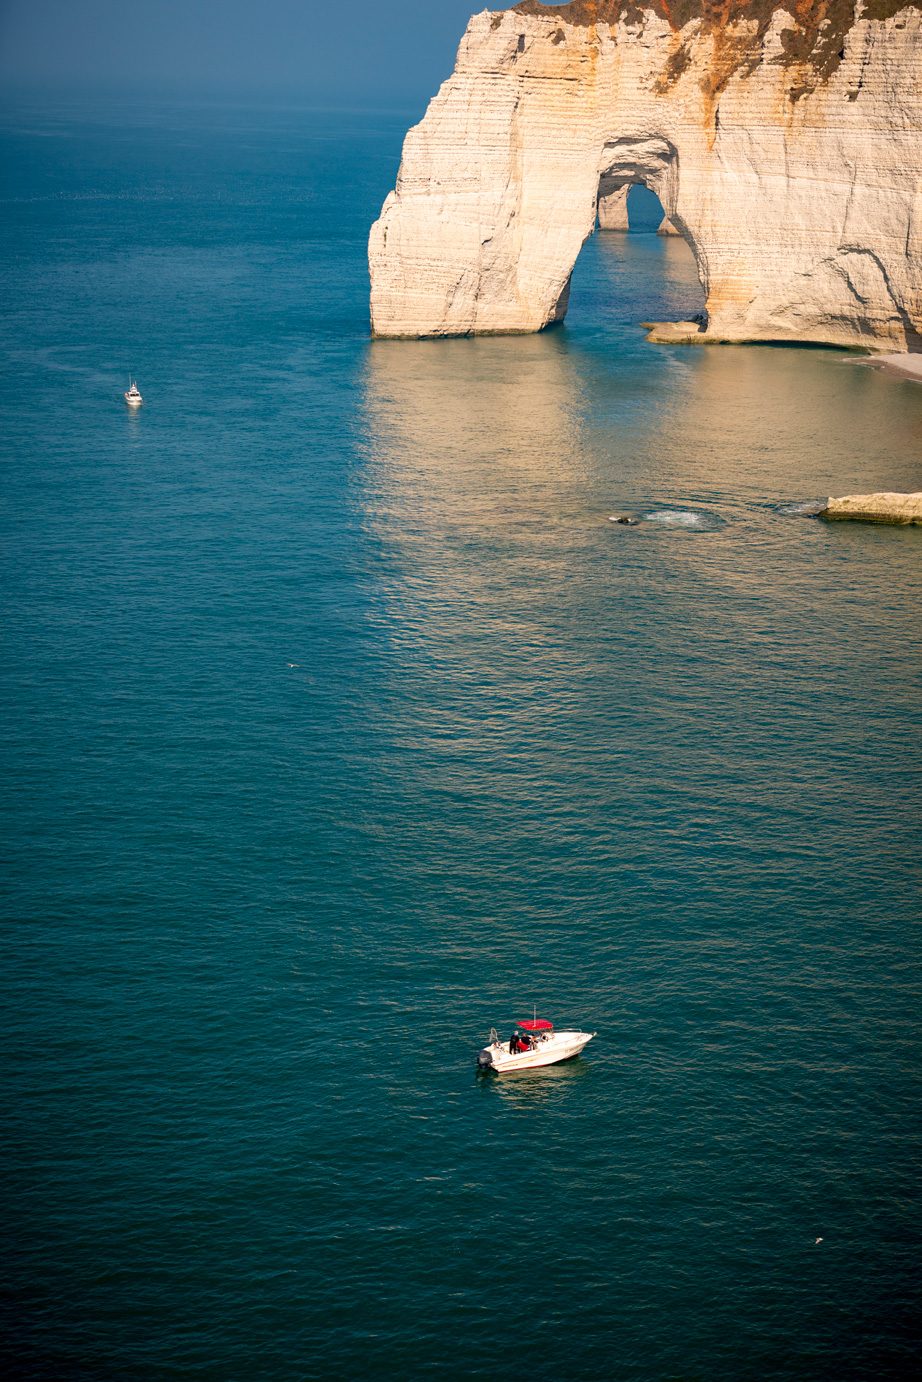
(133, 394)
(533, 1043)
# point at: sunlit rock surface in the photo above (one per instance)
(876, 508)
(613, 207)
(785, 145)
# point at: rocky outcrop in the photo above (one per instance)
(613, 208)
(667, 228)
(782, 138)
(876, 508)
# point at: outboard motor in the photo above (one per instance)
(485, 1059)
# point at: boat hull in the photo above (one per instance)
(549, 1050)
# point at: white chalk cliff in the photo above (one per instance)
(783, 138)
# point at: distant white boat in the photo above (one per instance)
(133, 394)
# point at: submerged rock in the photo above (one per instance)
(803, 508)
(677, 333)
(876, 508)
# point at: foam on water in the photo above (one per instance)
(681, 518)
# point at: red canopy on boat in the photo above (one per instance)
(537, 1024)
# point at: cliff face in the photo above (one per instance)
(783, 138)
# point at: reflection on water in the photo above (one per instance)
(531, 1089)
(514, 610)
(639, 277)
(474, 433)
(557, 684)
(534, 439)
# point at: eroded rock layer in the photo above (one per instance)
(783, 140)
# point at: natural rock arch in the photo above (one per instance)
(793, 171)
(650, 161)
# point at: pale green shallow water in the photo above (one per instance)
(338, 724)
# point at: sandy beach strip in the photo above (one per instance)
(909, 366)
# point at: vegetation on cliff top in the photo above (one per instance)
(814, 44)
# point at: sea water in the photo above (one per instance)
(340, 724)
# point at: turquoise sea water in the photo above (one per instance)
(339, 724)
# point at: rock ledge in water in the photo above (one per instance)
(876, 508)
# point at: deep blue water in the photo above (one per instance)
(339, 724)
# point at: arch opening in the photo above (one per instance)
(643, 267)
(639, 184)
(632, 207)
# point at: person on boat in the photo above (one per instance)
(515, 1044)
